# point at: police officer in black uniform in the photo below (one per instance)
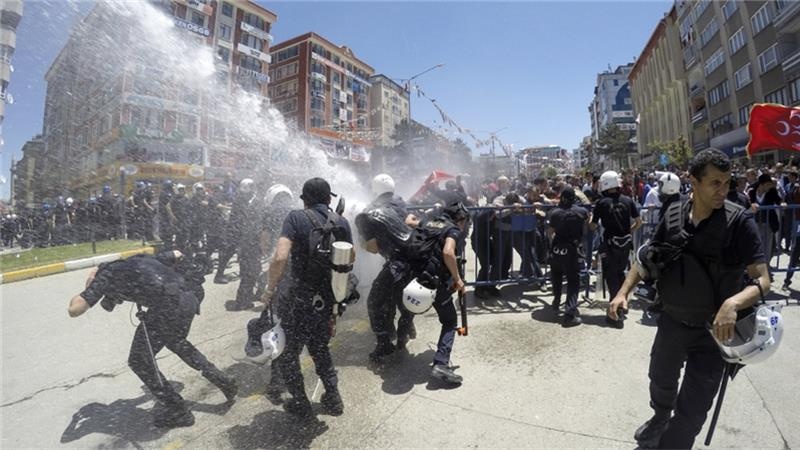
(702, 288)
(171, 292)
(183, 217)
(245, 223)
(567, 223)
(614, 212)
(307, 312)
(386, 293)
(166, 219)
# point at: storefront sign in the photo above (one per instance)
(131, 131)
(262, 77)
(261, 34)
(203, 31)
(254, 53)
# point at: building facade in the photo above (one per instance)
(736, 54)
(612, 103)
(26, 174)
(534, 160)
(324, 89)
(10, 15)
(658, 90)
(117, 109)
(390, 106)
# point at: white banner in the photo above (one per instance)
(254, 53)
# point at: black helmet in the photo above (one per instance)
(456, 212)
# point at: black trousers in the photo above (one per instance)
(385, 297)
(674, 345)
(794, 260)
(482, 245)
(501, 254)
(249, 269)
(614, 261)
(448, 318)
(306, 327)
(524, 243)
(566, 265)
(166, 329)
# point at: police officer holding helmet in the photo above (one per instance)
(615, 212)
(699, 267)
(567, 223)
(307, 311)
(169, 287)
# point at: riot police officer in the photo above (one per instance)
(183, 217)
(698, 265)
(245, 225)
(567, 223)
(615, 212)
(386, 293)
(166, 219)
(171, 293)
(306, 313)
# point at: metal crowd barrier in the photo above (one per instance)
(505, 238)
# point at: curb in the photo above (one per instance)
(50, 269)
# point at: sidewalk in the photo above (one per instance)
(49, 269)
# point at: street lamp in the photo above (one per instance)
(408, 91)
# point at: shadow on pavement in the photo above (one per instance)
(252, 378)
(549, 315)
(276, 429)
(401, 371)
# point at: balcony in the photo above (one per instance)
(699, 117)
(788, 19)
(689, 56)
(700, 144)
(318, 94)
(791, 63)
(696, 90)
(257, 32)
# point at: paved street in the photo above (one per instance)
(528, 382)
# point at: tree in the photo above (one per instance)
(615, 142)
(549, 172)
(677, 150)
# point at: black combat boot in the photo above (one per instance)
(226, 384)
(332, 402)
(172, 416)
(649, 433)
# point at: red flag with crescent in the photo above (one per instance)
(435, 177)
(773, 127)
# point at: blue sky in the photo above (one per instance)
(529, 66)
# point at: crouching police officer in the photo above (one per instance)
(567, 222)
(171, 293)
(699, 267)
(307, 311)
(615, 212)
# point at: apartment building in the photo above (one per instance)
(659, 92)
(114, 114)
(736, 54)
(10, 15)
(612, 103)
(390, 106)
(324, 89)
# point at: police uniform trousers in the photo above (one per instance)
(615, 261)
(448, 318)
(385, 297)
(501, 254)
(305, 326)
(249, 269)
(481, 244)
(675, 344)
(168, 327)
(566, 261)
(166, 232)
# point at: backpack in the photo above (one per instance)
(319, 256)
(424, 252)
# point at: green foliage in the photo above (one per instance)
(614, 142)
(678, 151)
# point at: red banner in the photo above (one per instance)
(773, 127)
(435, 176)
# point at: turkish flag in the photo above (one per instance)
(773, 127)
(435, 176)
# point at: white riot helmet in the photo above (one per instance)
(273, 342)
(417, 299)
(198, 187)
(69, 201)
(669, 184)
(13, 217)
(382, 183)
(275, 190)
(609, 180)
(246, 185)
(180, 187)
(756, 337)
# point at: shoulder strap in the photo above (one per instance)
(732, 212)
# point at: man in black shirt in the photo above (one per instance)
(567, 222)
(172, 297)
(615, 212)
(307, 311)
(701, 286)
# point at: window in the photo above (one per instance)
(224, 54)
(616, 82)
(187, 125)
(227, 9)
(317, 104)
(729, 7)
(716, 60)
(736, 41)
(248, 62)
(768, 59)
(251, 41)
(284, 89)
(742, 77)
(218, 130)
(760, 19)
(719, 92)
(794, 90)
(337, 79)
(317, 85)
(225, 32)
(317, 122)
(283, 71)
(700, 8)
(744, 115)
(721, 125)
(254, 20)
(709, 32)
(189, 95)
(198, 19)
(288, 53)
(288, 106)
(780, 4)
(778, 97)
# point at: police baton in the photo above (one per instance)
(729, 372)
(140, 315)
(462, 303)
